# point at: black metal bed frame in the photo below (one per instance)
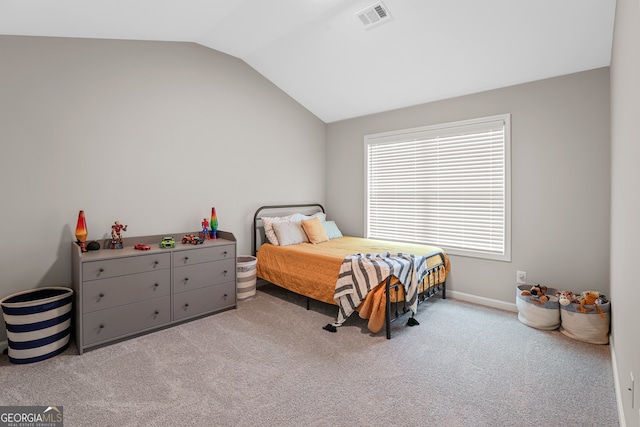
(393, 305)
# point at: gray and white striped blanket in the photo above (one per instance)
(360, 273)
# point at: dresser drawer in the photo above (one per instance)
(103, 269)
(201, 275)
(119, 321)
(107, 293)
(200, 301)
(199, 255)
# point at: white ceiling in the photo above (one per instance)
(319, 53)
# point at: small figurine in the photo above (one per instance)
(116, 235)
(205, 229)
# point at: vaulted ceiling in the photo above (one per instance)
(322, 55)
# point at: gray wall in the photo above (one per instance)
(625, 202)
(560, 154)
(151, 134)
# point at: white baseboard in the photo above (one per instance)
(508, 306)
(616, 382)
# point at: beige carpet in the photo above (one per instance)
(270, 363)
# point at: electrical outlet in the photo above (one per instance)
(521, 277)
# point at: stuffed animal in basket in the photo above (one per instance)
(590, 298)
(536, 294)
(602, 298)
(566, 297)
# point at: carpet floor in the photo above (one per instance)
(270, 363)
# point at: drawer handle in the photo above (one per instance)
(186, 259)
(224, 273)
(186, 305)
(224, 254)
(101, 270)
(224, 297)
(186, 279)
(155, 286)
(156, 262)
(101, 295)
(101, 326)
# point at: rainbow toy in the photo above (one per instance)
(214, 224)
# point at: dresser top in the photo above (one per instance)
(105, 252)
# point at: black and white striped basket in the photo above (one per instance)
(38, 323)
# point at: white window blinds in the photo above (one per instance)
(445, 185)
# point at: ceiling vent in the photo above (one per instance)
(373, 15)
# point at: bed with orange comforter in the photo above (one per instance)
(312, 270)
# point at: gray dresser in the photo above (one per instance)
(121, 293)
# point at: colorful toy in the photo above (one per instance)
(537, 294)
(142, 247)
(190, 238)
(566, 297)
(590, 298)
(168, 242)
(116, 235)
(81, 231)
(205, 229)
(214, 224)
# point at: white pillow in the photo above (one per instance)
(290, 233)
(333, 232)
(268, 222)
(320, 215)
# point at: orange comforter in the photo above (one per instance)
(312, 269)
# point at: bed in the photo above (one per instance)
(381, 280)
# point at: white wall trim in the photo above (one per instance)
(616, 381)
(509, 306)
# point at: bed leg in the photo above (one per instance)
(387, 312)
(308, 303)
(444, 290)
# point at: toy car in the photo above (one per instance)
(190, 238)
(168, 242)
(142, 247)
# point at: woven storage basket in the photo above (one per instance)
(540, 316)
(246, 277)
(38, 323)
(588, 327)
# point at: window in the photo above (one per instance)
(445, 185)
